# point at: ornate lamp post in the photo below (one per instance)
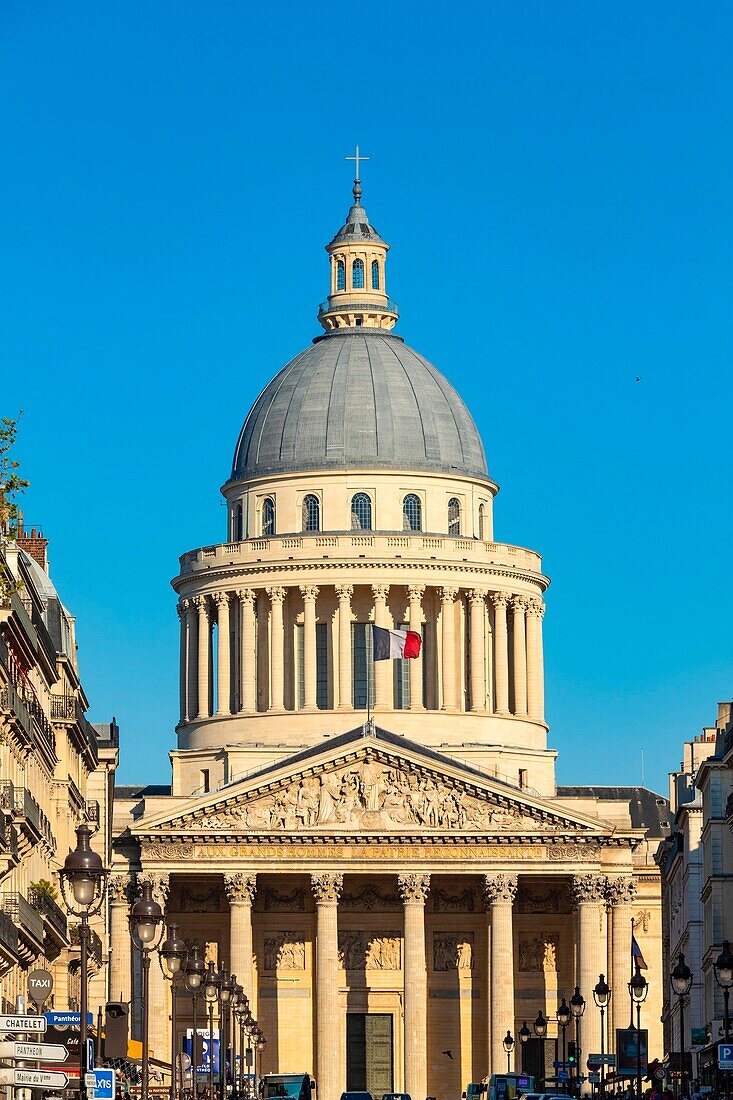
(602, 997)
(193, 977)
(638, 989)
(249, 1024)
(508, 1044)
(225, 993)
(172, 957)
(577, 1008)
(540, 1029)
(237, 992)
(260, 1044)
(681, 979)
(146, 929)
(723, 970)
(83, 881)
(242, 1013)
(524, 1036)
(211, 996)
(563, 1019)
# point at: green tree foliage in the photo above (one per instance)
(11, 486)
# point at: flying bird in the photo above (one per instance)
(638, 379)
(448, 1054)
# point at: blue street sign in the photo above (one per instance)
(104, 1084)
(67, 1019)
(725, 1056)
(561, 1065)
(563, 1075)
(203, 1050)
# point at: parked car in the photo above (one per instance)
(396, 1096)
(356, 1096)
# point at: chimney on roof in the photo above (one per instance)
(34, 545)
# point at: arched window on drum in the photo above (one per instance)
(481, 521)
(311, 513)
(411, 513)
(375, 274)
(454, 517)
(268, 517)
(357, 275)
(340, 275)
(361, 512)
(238, 524)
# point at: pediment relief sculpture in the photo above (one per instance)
(369, 795)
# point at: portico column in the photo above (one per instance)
(477, 635)
(224, 676)
(382, 669)
(344, 593)
(191, 663)
(501, 653)
(535, 671)
(182, 609)
(415, 595)
(590, 898)
(309, 593)
(159, 1036)
(240, 889)
(204, 645)
(519, 607)
(413, 891)
(499, 892)
(247, 606)
(277, 641)
(448, 633)
(120, 946)
(620, 894)
(327, 891)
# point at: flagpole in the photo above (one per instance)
(631, 975)
(369, 668)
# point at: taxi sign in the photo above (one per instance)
(23, 1023)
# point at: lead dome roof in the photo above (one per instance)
(359, 399)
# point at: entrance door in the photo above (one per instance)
(369, 1052)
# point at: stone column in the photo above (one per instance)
(309, 593)
(501, 653)
(240, 889)
(249, 686)
(344, 593)
(477, 634)
(277, 645)
(499, 892)
(120, 946)
(620, 894)
(382, 669)
(204, 645)
(590, 898)
(448, 634)
(535, 662)
(182, 609)
(413, 891)
(224, 675)
(415, 667)
(329, 1025)
(191, 665)
(159, 1023)
(519, 607)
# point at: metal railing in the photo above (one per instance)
(50, 911)
(94, 944)
(8, 934)
(91, 810)
(22, 806)
(29, 712)
(63, 708)
(390, 306)
(23, 915)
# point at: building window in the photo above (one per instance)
(375, 275)
(238, 524)
(361, 512)
(311, 513)
(454, 517)
(340, 275)
(205, 783)
(402, 676)
(321, 665)
(268, 517)
(357, 275)
(362, 665)
(523, 779)
(411, 513)
(481, 521)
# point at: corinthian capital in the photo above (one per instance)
(344, 592)
(448, 594)
(240, 887)
(413, 888)
(519, 604)
(120, 889)
(500, 888)
(309, 592)
(536, 608)
(159, 882)
(500, 599)
(327, 887)
(621, 890)
(415, 592)
(476, 596)
(202, 604)
(181, 609)
(380, 592)
(247, 595)
(276, 594)
(589, 889)
(220, 598)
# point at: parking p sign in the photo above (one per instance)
(725, 1056)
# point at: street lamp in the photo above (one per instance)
(146, 928)
(563, 1019)
(524, 1036)
(508, 1044)
(681, 979)
(261, 1043)
(540, 1029)
(211, 996)
(602, 997)
(242, 1013)
(172, 957)
(577, 1008)
(638, 989)
(723, 970)
(225, 993)
(193, 976)
(83, 881)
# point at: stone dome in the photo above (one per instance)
(359, 399)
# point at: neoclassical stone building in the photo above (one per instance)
(391, 890)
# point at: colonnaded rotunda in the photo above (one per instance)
(386, 891)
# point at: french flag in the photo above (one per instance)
(390, 645)
(636, 954)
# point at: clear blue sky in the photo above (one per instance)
(555, 180)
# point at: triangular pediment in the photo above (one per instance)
(370, 784)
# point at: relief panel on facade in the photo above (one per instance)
(370, 950)
(538, 953)
(284, 951)
(453, 951)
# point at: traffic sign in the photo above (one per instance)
(725, 1055)
(66, 1019)
(35, 1024)
(563, 1075)
(40, 987)
(34, 1078)
(602, 1059)
(35, 1052)
(561, 1065)
(104, 1084)
(594, 1078)
(660, 1073)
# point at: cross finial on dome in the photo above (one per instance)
(357, 182)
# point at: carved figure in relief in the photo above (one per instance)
(369, 951)
(538, 953)
(284, 951)
(452, 951)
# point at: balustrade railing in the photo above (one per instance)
(50, 911)
(8, 934)
(23, 914)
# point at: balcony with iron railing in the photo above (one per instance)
(18, 699)
(68, 709)
(19, 804)
(28, 922)
(94, 943)
(52, 915)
